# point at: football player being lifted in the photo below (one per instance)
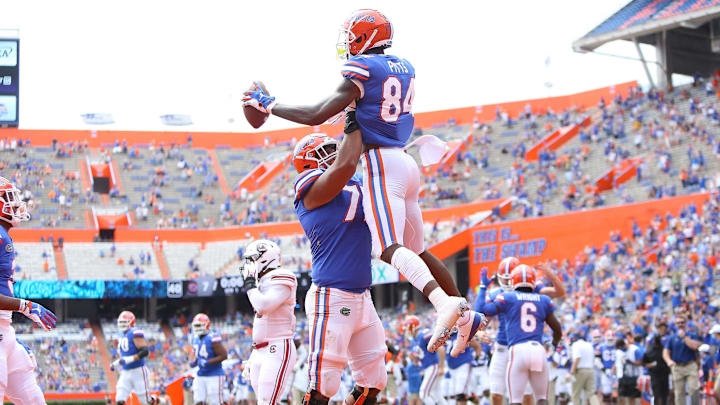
(381, 89)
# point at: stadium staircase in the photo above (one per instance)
(60, 263)
(162, 263)
(104, 354)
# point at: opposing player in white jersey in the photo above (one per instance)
(132, 350)
(526, 313)
(17, 367)
(381, 88)
(271, 291)
(499, 360)
(208, 355)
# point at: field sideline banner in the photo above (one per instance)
(562, 236)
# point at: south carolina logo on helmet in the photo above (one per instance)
(364, 29)
(523, 276)
(201, 324)
(314, 151)
(126, 320)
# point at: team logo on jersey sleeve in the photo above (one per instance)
(345, 311)
(9, 248)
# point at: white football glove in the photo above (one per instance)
(249, 269)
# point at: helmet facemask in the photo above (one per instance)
(123, 325)
(199, 329)
(14, 209)
(324, 154)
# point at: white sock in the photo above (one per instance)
(413, 268)
(437, 297)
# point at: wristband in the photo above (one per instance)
(351, 124)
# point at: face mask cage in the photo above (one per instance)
(13, 207)
(345, 38)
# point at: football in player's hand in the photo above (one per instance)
(254, 116)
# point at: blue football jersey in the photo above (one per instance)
(607, 356)
(501, 338)
(202, 346)
(465, 357)
(384, 111)
(127, 347)
(419, 346)
(7, 256)
(525, 315)
(340, 239)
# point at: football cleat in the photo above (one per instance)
(467, 331)
(447, 315)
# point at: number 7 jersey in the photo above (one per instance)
(387, 89)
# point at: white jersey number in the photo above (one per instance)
(528, 323)
(391, 107)
(124, 344)
(201, 351)
(354, 199)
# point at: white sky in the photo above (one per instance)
(139, 59)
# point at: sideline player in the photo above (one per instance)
(526, 312)
(345, 328)
(271, 291)
(608, 380)
(381, 87)
(432, 363)
(208, 355)
(132, 348)
(499, 360)
(17, 368)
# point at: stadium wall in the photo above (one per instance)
(212, 140)
(565, 235)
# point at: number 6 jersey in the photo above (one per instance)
(384, 110)
(525, 315)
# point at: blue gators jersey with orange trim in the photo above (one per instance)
(7, 256)
(384, 110)
(525, 315)
(419, 346)
(203, 350)
(340, 239)
(127, 347)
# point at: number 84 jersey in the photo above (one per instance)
(525, 315)
(387, 89)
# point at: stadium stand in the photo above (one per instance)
(109, 261)
(35, 261)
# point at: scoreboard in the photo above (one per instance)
(9, 81)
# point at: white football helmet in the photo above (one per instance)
(260, 255)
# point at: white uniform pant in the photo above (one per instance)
(391, 188)
(133, 380)
(460, 379)
(271, 370)
(430, 390)
(344, 330)
(479, 380)
(527, 364)
(17, 370)
(497, 372)
(209, 390)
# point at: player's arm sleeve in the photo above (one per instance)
(357, 72)
(304, 180)
(496, 306)
(480, 299)
(268, 301)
